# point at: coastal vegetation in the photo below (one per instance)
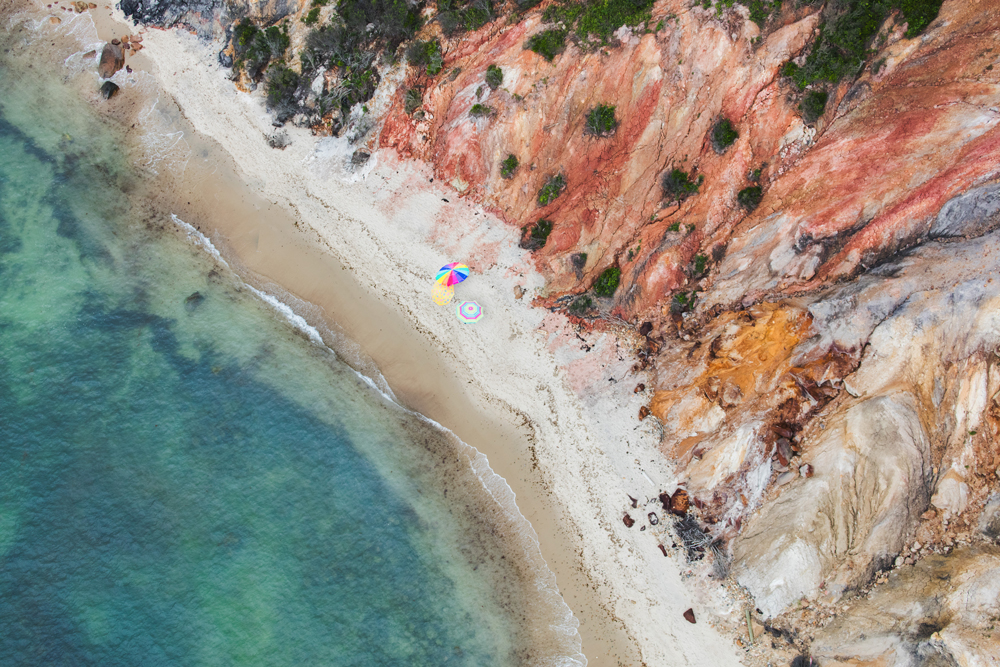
(607, 282)
(426, 54)
(509, 166)
(480, 111)
(455, 17)
(413, 99)
(533, 237)
(601, 121)
(494, 77)
(813, 105)
(724, 135)
(750, 198)
(594, 21)
(548, 43)
(678, 186)
(551, 190)
(581, 305)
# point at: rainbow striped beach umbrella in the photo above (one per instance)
(469, 311)
(452, 274)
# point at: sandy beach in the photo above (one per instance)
(354, 251)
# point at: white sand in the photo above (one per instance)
(572, 448)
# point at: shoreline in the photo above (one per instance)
(530, 410)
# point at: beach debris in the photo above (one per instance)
(749, 627)
(518, 291)
(279, 140)
(469, 312)
(689, 616)
(116, 41)
(442, 294)
(806, 470)
(653, 519)
(112, 60)
(663, 549)
(680, 502)
(643, 412)
(452, 274)
(629, 521)
(360, 157)
(635, 501)
(639, 387)
(109, 90)
(665, 500)
(55, 20)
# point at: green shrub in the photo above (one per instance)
(312, 16)
(813, 105)
(453, 16)
(581, 305)
(678, 186)
(547, 44)
(534, 236)
(749, 198)
(281, 85)
(607, 282)
(426, 54)
(699, 265)
(494, 77)
(551, 190)
(509, 166)
(243, 36)
(844, 41)
(480, 111)
(601, 121)
(414, 98)
(676, 227)
(724, 135)
(394, 21)
(760, 10)
(603, 17)
(682, 302)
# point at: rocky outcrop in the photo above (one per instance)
(112, 60)
(831, 531)
(937, 612)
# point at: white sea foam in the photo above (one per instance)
(563, 622)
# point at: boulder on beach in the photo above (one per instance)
(112, 60)
(109, 89)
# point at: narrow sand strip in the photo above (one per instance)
(556, 417)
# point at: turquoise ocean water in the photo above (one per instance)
(185, 477)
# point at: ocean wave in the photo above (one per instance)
(563, 622)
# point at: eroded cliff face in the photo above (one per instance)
(832, 398)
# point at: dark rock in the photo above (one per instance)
(689, 616)
(643, 412)
(109, 90)
(663, 549)
(635, 501)
(679, 502)
(972, 213)
(193, 301)
(646, 328)
(665, 500)
(116, 42)
(653, 519)
(639, 387)
(784, 451)
(629, 521)
(112, 60)
(359, 157)
(225, 59)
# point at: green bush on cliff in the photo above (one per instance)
(480, 111)
(601, 121)
(414, 98)
(551, 190)
(602, 17)
(454, 16)
(607, 282)
(581, 305)
(509, 166)
(533, 237)
(813, 105)
(724, 135)
(678, 186)
(281, 84)
(750, 198)
(845, 38)
(548, 44)
(426, 54)
(494, 77)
